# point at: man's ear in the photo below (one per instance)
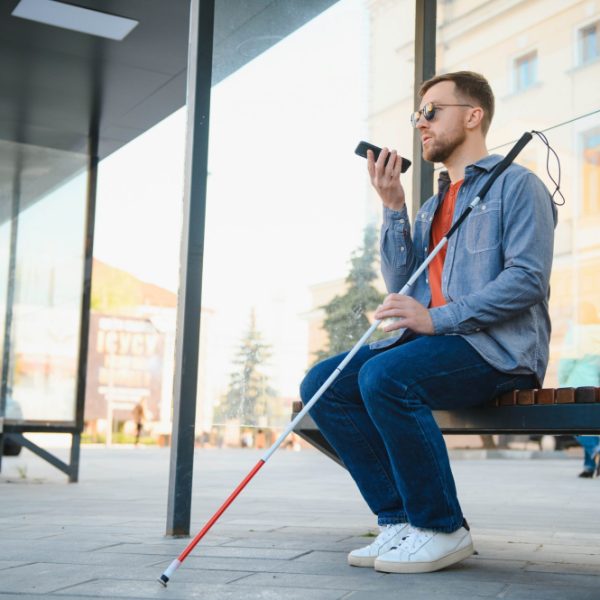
(475, 117)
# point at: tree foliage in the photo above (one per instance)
(346, 315)
(249, 398)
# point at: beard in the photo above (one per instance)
(440, 149)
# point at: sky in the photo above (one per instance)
(286, 195)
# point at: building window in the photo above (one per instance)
(525, 71)
(591, 172)
(589, 43)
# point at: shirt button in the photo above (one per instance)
(401, 221)
(477, 329)
(483, 207)
(402, 248)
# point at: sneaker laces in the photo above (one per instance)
(415, 538)
(386, 532)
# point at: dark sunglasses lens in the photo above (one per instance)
(429, 112)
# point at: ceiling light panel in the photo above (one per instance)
(75, 18)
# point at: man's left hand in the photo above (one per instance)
(408, 313)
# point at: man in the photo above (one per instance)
(475, 325)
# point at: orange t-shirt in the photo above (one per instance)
(442, 221)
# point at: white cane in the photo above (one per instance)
(500, 167)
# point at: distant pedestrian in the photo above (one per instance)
(580, 366)
(139, 416)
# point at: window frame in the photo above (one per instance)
(578, 43)
(515, 70)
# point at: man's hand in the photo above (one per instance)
(386, 180)
(408, 312)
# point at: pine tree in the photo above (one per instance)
(249, 396)
(346, 315)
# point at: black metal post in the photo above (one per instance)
(10, 292)
(88, 253)
(86, 300)
(187, 339)
(425, 41)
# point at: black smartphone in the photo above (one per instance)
(362, 148)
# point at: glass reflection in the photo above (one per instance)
(43, 294)
(287, 207)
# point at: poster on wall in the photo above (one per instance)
(125, 366)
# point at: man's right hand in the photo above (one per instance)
(386, 180)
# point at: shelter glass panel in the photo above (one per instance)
(41, 291)
(290, 209)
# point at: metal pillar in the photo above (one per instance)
(10, 293)
(88, 254)
(200, 49)
(86, 299)
(425, 41)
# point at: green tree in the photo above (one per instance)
(346, 315)
(249, 397)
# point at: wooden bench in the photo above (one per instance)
(552, 411)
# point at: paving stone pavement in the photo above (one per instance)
(535, 525)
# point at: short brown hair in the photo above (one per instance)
(470, 86)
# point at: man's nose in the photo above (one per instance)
(422, 123)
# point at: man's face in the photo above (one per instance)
(446, 131)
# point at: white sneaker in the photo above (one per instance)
(391, 535)
(423, 551)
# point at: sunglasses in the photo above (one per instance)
(429, 110)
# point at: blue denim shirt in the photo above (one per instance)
(497, 269)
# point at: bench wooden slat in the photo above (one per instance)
(508, 399)
(526, 397)
(565, 395)
(546, 411)
(545, 396)
(580, 395)
(586, 395)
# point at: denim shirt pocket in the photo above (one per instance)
(422, 229)
(399, 235)
(484, 226)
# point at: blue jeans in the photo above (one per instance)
(377, 416)
(591, 445)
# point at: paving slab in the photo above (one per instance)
(133, 590)
(346, 582)
(9, 564)
(44, 578)
(43, 553)
(26, 596)
(535, 525)
(530, 592)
